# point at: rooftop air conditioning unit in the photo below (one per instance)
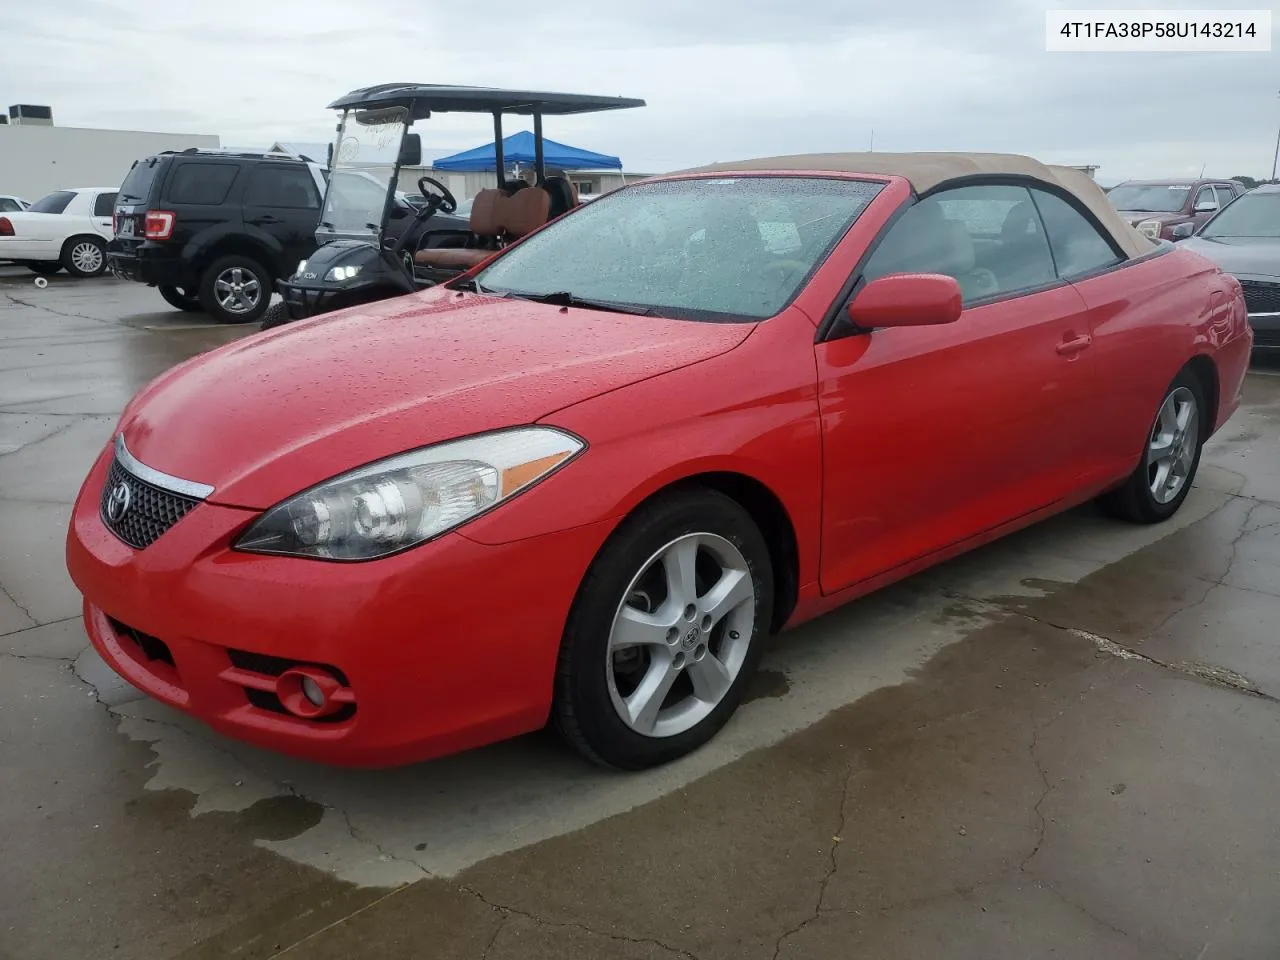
(30, 114)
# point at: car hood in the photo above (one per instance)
(265, 417)
(1239, 256)
(1135, 217)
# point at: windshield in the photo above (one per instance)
(361, 173)
(1149, 198)
(723, 249)
(53, 203)
(1252, 215)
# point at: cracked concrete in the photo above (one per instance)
(1061, 745)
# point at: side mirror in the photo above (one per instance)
(411, 150)
(1207, 207)
(907, 300)
(1182, 231)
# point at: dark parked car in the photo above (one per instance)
(1244, 240)
(1171, 209)
(214, 230)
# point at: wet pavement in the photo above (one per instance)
(1066, 744)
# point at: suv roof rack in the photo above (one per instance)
(243, 154)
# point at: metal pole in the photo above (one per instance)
(499, 160)
(1276, 155)
(539, 169)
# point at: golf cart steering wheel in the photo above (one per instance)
(444, 199)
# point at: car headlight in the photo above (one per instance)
(1150, 229)
(405, 500)
(302, 266)
(348, 272)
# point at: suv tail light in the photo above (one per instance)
(6, 227)
(159, 224)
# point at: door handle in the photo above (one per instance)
(259, 221)
(1073, 346)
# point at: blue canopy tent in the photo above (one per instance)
(519, 150)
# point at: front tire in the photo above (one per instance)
(84, 257)
(1160, 483)
(276, 316)
(665, 633)
(235, 289)
(176, 297)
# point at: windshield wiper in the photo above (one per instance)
(563, 298)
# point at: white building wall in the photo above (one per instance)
(36, 160)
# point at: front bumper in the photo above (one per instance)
(439, 649)
(1266, 330)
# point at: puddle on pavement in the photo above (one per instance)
(765, 685)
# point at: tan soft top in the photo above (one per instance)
(927, 170)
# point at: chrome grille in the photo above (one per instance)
(148, 511)
(1261, 297)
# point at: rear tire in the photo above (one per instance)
(85, 257)
(175, 297)
(637, 625)
(1171, 456)
(46, 268)
(235, 289)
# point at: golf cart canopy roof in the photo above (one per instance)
(423, 99)
(930, 171)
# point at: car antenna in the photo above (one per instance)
(1202, 166)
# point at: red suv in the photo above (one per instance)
(1172, 209)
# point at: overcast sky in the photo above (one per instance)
(724, 79)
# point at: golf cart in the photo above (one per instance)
(362, 257)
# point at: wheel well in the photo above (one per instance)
(66, 244)
(771, 517)
(236, 246)
(1204, 370)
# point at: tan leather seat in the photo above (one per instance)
(494, 215)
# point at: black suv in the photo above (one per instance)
(214, 229)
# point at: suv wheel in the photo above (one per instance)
(177, 297)
(235, 289)
(84, 256)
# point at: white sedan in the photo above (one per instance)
(12, 204)
(66, 229)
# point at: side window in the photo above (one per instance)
(280, 186)
(1205, 196)
(988, 237)
(1078, 246)
(1225, 194)
(105, 205)
(201, 183)
(8, 205)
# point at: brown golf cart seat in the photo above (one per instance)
(497, 217)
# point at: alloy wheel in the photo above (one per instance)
(681, 635)
(237, 290)
(1171, 452)
(86, 257)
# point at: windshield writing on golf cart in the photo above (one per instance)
(363, 167)
(731, 249)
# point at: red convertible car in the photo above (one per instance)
(584, 482)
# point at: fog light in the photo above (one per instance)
(311, 690)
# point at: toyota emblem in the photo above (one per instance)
(119, 500)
